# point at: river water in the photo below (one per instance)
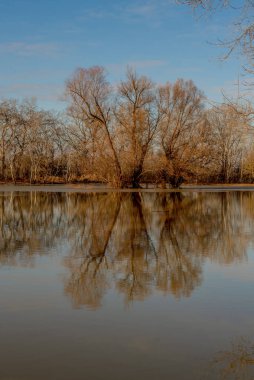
(131, 285)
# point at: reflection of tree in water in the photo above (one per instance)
(90, 262)
(179, 269)
(128, 252)
(136, 241)
(228, 237)
(237, 363)
(29, 223)
(136, 254)
(157, 240)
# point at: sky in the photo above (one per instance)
(43, 42)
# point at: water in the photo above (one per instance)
(126, 285)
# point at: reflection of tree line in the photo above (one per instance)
(29, 223)
(133, 241)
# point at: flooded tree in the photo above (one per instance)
(137, 116)
(229, 139)
(91, 104)
(183, 133)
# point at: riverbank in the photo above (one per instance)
(87, 188)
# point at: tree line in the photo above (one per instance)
(127, 134)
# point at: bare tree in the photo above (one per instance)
(91, 103)
(31, 141)
(182, 130)
(137, 116)
(8, 116)
(229, 139)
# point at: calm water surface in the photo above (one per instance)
(126, 286)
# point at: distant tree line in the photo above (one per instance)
(125, 135)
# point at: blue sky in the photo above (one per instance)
(43, 42)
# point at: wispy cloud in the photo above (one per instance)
(41, 91)
(143, 10)
(119, 68)
(29, 49)
(153, 11)
(98, 14)
(148, 63)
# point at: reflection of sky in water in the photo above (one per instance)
(75, 268)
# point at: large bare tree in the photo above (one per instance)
(182, 130)
(91, 103)
(137, 116)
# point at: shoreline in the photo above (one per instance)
(99, 188)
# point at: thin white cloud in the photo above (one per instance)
(147, 63)
(143, 10)
(142, 64)
(41, 91)
(153, 11)
(28, 49)
(98, 14)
